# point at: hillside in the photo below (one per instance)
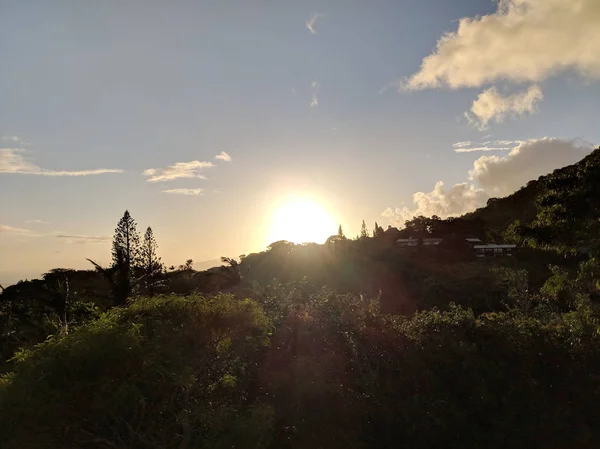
(558, 211)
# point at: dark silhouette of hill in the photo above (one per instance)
(558, 211)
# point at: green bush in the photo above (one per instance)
(163, 372)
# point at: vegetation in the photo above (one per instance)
(350, 344)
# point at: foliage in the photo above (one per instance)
(163, 372)
(557, 212)
(364, 233)
(150, 264)
(377, 231)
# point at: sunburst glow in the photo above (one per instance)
(301, 220)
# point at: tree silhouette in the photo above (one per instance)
(364, 234)
(189, 265)
(150, 262)
(126, 243)
(126, 258)
(378, 231)
(340, 233)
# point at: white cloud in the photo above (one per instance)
(474, 149)
(17, 231)
(37, 222)
(494, 176)
(15, 139)
(310, 23)
(493, 106)
(75, 238)
(523, 41)
(457, 200)
(12, 161)
(501, 176)
(468, 143)
(223, 156)
(314, 102)
(184, 191)
(490, 145)
(179, 170)
(315, 88)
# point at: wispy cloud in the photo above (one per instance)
(37, 222)
(475, 149)
(310, 23)
(467, 143)
(17, 231)
(13, 161)
(179, 170)
(314, 102)
(84, 238)
(490, 145)
(223, 156)
(184, 191)
(15, 139)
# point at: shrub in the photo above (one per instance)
(163, 372)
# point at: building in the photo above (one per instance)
(473, 245)
(473, 241)
(492, 250)
(407, 243)
(432, 243)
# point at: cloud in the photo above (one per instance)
(494, 176)
(12, 161)
(462, 144)
(179, 170)
(223, 156)
(501, 176)
(18, 231)
(315, 99)
(74, 238)
(490, 145)
(15, 139)
(314, 102)
(310, 23)
(493, 106)
(523, 41)
(474, 149)
(37, 222)
(457, 200)
(184, 191)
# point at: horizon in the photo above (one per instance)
(228, 126)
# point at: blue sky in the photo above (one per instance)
(323, 99)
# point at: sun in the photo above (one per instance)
(301, 220)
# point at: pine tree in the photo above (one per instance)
(378, 231)
(340, 233)
(150, 263)
(126, 257)
(126, 243)
(364, 234)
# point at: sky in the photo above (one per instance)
(209, 120)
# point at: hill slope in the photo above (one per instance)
(558, 211)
